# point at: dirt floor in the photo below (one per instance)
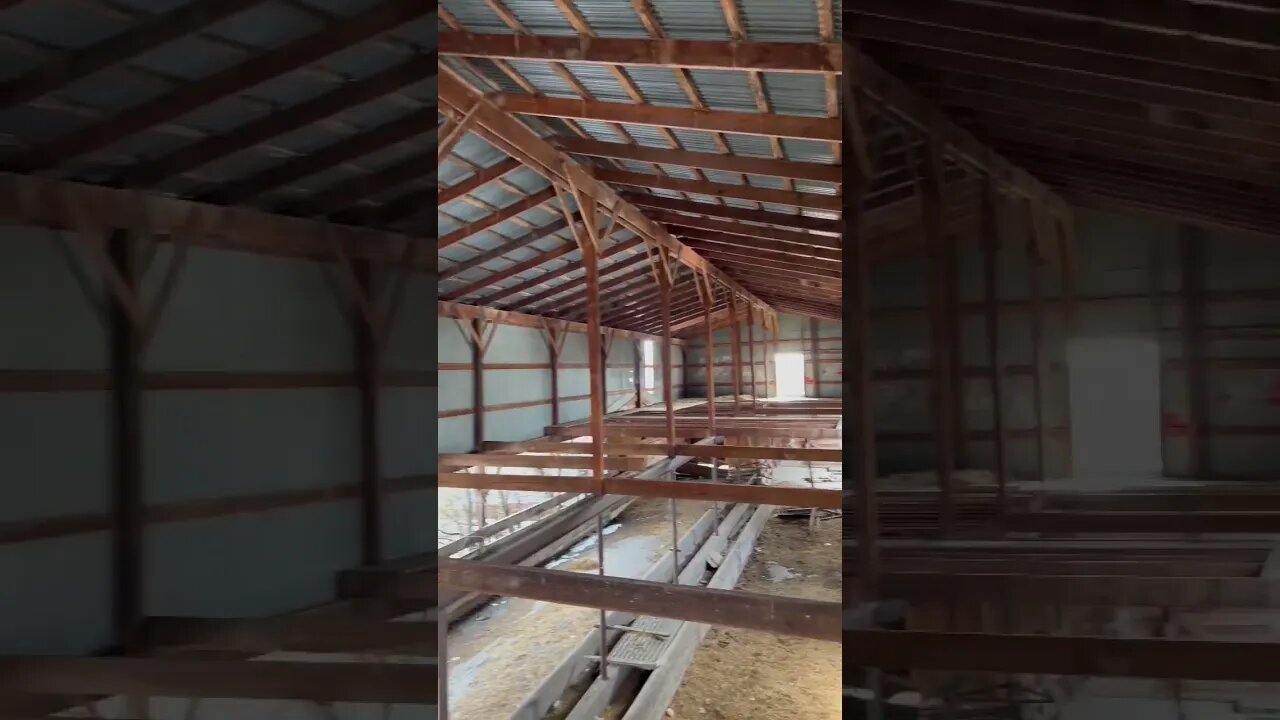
(504, 651)
(745, 675)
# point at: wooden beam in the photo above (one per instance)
(809, 200)
(665, 489)
(1053, 655)
(662, 52)
(583, 461)
(118, 47)
(301, 633)
(727, 608)
(275, 124)
(507, 317)
(1104, 590)
(83, 208)
(730, 231)
(702, 160)
(520, 142)
(477, 180)
(385, 16)
(268, 680)
(763, 124)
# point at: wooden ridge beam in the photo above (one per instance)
(763, 124)
(802, 222)
(520, 142)
(767, 167)
(727, 608)
(383, 17)
(78, 207)
(662, 52)
(813, 201)
(268, 680)
(1056, 655)
(143, 36)
(349, 95)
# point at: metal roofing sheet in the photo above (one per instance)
(658, 86)
(809, 151)
(612, 18)
(541, 75)
(540, 17)
(796, 93)
(61, 23)
(600, 82)
(780, 20)
(727, 90)
(475, 17)
(692, 19)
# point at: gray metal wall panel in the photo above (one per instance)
(451, 344)
(227, 443)
(512, 386)
(241, 312)
(518, 424)
(46, 319)
(408, 444)
(513, 344)
(455, 434)
(56, 458)
(251, 565)
(409, 522)
(455, 390)
(409, 344)
(57, 595)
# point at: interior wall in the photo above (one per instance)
(795, 334)
(249, 395)
(1128, 285)
(517, 383)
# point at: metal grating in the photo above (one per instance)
(641, 647)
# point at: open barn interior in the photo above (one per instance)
(1064, 495)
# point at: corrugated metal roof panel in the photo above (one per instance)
(726, 90)
(634, 166)
(647, 135)
(541, 76)
(780, 21)
(475, 16)
(269, 25)
(599, 82)
(63, 24)
(816, 188)
(540, 17)
(771, 183)
(720, 176)
(598, 130)
(612, 18)
(696, 140)
(749, 145)
(113, 90)
(659, 86)
(809, 151)
(679, 172)
(692, 19)
(796, 93)
(476, 151)
(188, 58)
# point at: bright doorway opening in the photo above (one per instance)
(648, 360)
(790, 369)
(1115, 407)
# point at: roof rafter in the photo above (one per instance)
(703, 160)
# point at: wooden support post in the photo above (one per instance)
(1035, 260)
(668, 402)
(940, 335)
(991, 308)
(1193, 352)
(813, 353)
(751, 352)
(477, 382)
(735, 354)
(707, 302)
(368, 370)
(554, 336)
(128, 501)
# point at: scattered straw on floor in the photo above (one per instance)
(740, 674)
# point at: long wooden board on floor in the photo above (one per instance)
(731, 608)
(1050, 655)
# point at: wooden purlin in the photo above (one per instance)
(517, 140)
(509, 317)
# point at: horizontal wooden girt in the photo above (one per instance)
(728, 608)
(537, 461)
(517, 140)
(267, 680)
(1131, 591)
(691, 54)
(297, 633)
(727, 452)
(78, 207)
(1056, 655)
